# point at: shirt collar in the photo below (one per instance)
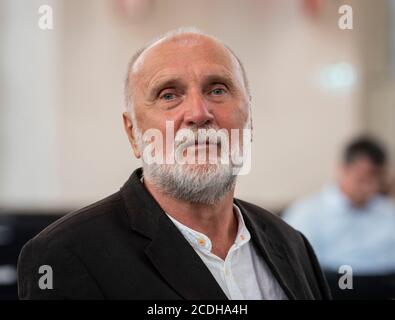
(201, 242)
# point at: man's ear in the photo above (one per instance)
(128, 126)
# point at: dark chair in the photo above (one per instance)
(365, 287)
(16, 228)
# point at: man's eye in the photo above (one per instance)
(167, 96)
(218, 91)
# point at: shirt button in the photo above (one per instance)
(226, 272)
(202, 242)
(242, 237)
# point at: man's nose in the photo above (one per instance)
(198, 112)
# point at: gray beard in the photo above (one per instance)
(204, 184)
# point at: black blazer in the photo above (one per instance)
(126, 247)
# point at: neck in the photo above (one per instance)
(217, 221)
(354, 202)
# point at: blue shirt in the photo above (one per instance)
(341, 234)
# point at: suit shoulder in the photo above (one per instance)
(60, 245)
(81, 220)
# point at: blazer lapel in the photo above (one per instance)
(170, 253)
(179, 264)
(274, 254)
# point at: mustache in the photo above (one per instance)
(201, 136)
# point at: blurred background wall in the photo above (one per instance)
(314, 86)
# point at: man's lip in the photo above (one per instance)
(197, 144)
(204, 144)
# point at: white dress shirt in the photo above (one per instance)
(243, 275)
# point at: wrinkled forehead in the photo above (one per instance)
(183, 53)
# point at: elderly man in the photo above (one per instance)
(174, 230)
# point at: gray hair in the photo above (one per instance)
(168, 36)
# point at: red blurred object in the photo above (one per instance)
(133, 9)
(312, 7)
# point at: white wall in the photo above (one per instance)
(29, 108)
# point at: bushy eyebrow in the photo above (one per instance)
(225, 79)
(158, 86)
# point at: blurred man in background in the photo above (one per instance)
(350, 222)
